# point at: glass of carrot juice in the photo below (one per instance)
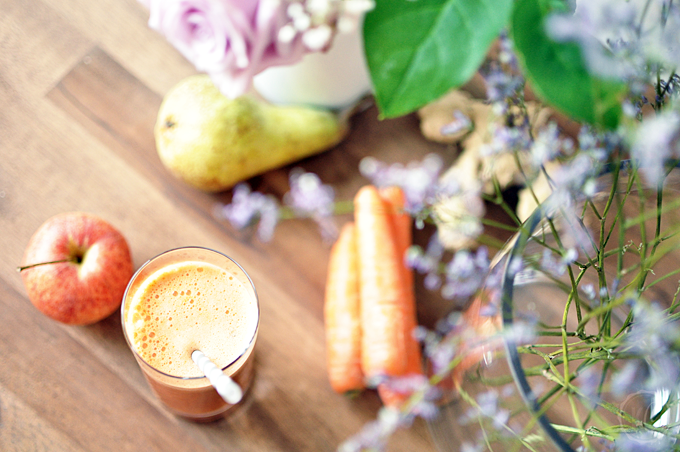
(184, 300)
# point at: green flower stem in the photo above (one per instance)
(343, 207)
(659, 207)
(473, 403)
(600, 387)
(500, 201)
(645, 216)
(497, 224)
(339, 208)
(674, 302)
(660, 279)
(671, 401)
(601, 310)
(605, 326)
(592, 432)
(490, 242)
(578, 421)
(565, 338)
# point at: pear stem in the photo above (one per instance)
(25, 267)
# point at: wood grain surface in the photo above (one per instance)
(80, 86)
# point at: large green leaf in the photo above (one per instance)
(557, 71)
(417, 50)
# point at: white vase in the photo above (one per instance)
(335, 79)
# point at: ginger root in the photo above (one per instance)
(458, 118)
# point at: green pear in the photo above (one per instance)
(212, 142)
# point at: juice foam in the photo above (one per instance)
(191, 306)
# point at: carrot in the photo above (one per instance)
(485, 328)
(382, 290)
(401, 230)
(395, 200)
(341, 315)
(481, 329)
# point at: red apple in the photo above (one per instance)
(76, 267)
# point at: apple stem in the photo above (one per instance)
(25, 267)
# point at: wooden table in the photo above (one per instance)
(80, 86)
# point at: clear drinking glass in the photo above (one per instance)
(193, 397)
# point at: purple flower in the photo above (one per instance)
(501, 85)
(548, 145)
(589, 383)
(232, 40)
(488, 406)
(465, 274)
(308, 197)
(460, 122)
(553, 266)
(421, 394)
(605, 30)
(655, 141)
(652, 337)
(509, 139)
(419, 180)
(374, 435)
(427, 261)
(630, 378)
(249, 208)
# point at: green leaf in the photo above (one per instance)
(557, 70)
(417, 50)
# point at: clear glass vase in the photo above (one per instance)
(585, 354)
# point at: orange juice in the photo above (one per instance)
(185, 300)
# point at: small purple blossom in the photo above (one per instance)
(309, 197)
(555, 266)
(506, 54)
(601, 28)
(655, 141)
(419, 180)
(427, 262)
(465, 273)
(249, 208)
(652, 330)
(588, 383)
(652, 336)
(548, 145)
(374, 435)
(522, 331)
(509, 138)
(516, 269)
(592, 295)
(501, 85)
(461, 122)
(441, 355)
(630, 378)
(422, 393)
(488, 405)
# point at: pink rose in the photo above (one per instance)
(231, 40)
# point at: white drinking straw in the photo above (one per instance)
(223, 384)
